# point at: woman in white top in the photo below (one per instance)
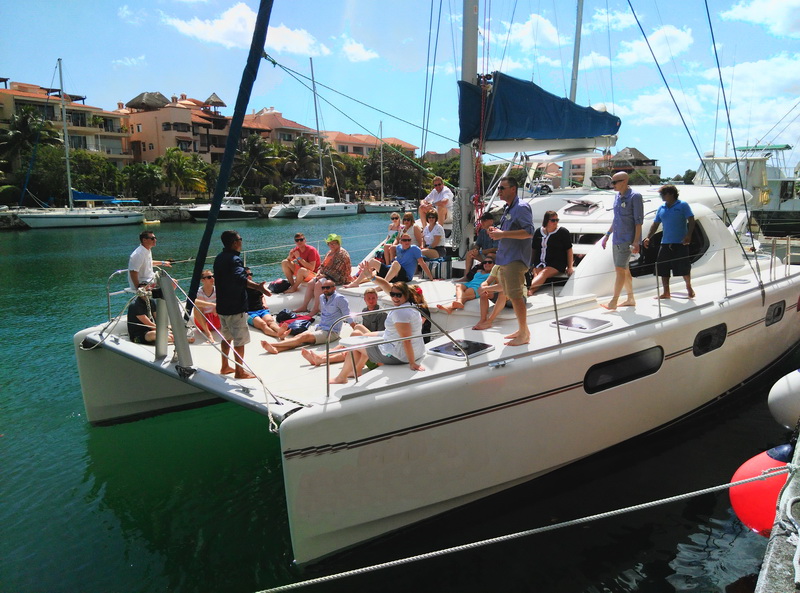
(205, 306)
(403, 322)
(433, 237)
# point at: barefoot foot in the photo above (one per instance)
(243, 375)
(519, 341)
(226, 370)
(311, 357)
(482, 325)
(269, 347)
(628, 303)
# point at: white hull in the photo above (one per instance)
(284, 212)
(328, 210)
(232, 208)
(88, 217)
(382, 207)
(399, 446)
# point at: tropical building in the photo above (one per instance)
(89, 128)
(363, 145)
(628, 160)
(157, 123)
(277, 128)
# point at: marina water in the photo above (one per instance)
(193, 501)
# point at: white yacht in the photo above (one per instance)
(232, 208)
(326, 208)
(292, 208)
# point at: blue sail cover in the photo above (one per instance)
(517, 109)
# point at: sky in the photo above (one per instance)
(401, 58)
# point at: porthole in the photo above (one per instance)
(775, 313)
(709, 339)
(623, 369)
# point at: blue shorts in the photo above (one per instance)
(251, 315)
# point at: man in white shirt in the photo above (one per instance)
(440, 199)
(140, 263)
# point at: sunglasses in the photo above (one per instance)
(395, 218)
(395, 295)
(617, 181)
(553, 220)
(437, 185)
(249, 274)
(300, 240)
(150, 238)
(488, 261)
(405, 240)
(210, 277)
(328, 287)
(502, 187)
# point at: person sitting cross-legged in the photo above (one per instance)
(258, 314)
(467, 288)
(490, 290)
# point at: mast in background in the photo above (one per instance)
(66, 136)
(319, 135)
(573, 92)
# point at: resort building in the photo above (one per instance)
(277, 128)
(628, 160)
(89, 128)
(157, 123)
(363, 145)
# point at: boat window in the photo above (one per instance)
(709, 339)
(623, 369)
(775, 313)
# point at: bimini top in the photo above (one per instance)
(521, 110)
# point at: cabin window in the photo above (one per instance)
(709, 339)
(775, 313)
(624, 369)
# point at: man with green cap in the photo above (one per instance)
(336, 266)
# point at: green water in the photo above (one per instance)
(193, 501)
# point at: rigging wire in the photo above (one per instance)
(692, 140)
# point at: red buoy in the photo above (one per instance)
(755, 502)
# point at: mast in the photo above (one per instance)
(66, 136)
(573, 91)
(381, 133)
(316, 118)
(466, 181)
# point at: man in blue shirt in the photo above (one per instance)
(627, 231)
(673, 255)
(514, 255)
(332, 307)
(232, 283)
(403, 267)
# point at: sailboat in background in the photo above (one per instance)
(384, 206)
(40, 218)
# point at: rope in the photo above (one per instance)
(504, 538)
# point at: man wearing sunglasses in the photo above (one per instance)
(439, 200)
(301, 264)
(514, 255)
(405, 263)
(232, 283)
(140, 263)
(332, 307)
(626, 229)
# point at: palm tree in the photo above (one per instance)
(256, 164)
(26, 128)
(301, 160)
(143, 180)
(178, 171)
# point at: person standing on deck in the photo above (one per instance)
(673, 255)
(627, 232)
(514, 255)
(140, 263)
(232, 283)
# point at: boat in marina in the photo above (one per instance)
(395, 447)
(232, 208)
(72, 217)
(761, 170)
(292, 208)
(326, 207)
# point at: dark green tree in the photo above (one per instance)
(26, 128)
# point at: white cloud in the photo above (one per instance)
(129, 62)
(602, 20)
(667, 43)
(355, 51)
(547, 61)
(535, 33)
(234, 28)
(295, 41)
(762, 79)
(593, 60)
(780, 17)
(125, 13)
(657, 108)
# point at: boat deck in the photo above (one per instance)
(286, 380)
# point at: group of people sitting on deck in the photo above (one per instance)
(407, 247)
